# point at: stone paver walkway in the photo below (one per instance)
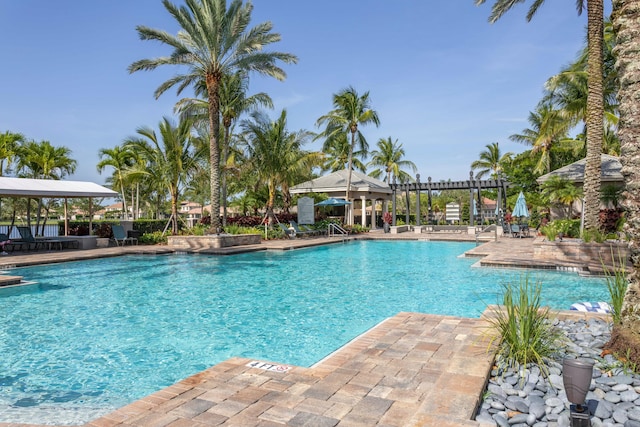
(410, 370)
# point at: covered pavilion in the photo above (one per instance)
(54, 189)
(363, 188)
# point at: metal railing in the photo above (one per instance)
(335, 229)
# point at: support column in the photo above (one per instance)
(408, 197)
(363, 218)
(418, 200)
(430, 207)
(393, 202)
(471, 199)
(373, 214)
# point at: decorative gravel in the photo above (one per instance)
(524, 397)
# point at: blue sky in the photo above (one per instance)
(444, 81)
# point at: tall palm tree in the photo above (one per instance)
(120, 158)
(233, 103)
(491, 161)
(548, 129)
(595, 104)
(215, 40)
(350, 111)
(626, 24)
(388, 158)
(169, 158)
(275, 155)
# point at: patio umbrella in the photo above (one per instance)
(520, 209)
(332, 201)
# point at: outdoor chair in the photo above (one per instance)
(299, 231)
(287, 232)
(120, 236)
(27, 240)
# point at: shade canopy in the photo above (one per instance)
(49, 188)
(333, 201)
(520, 209)
(335, 185)
(610, 168)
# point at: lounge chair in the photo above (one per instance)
(27, 239)
(299, 231)
(120, 236)
(287, 232)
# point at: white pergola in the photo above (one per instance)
(363, 188)
(53, 189)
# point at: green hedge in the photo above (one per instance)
(103, 227)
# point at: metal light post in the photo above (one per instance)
(576, 376)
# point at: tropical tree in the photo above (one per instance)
(625, 337)
(121, 159)
(215, 40)
(275, 155)
(335, 152)
(388, 159)
(41, 160)
(350, 111)
(169, 158)
(9, 143)
(595, 103)
(548, 129)
(561, 192)
(491, 161)
(233, 103)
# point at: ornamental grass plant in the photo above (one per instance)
(522, 330)
(617, 283)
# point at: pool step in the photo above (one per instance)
(10, 280)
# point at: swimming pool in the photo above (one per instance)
(92, 336)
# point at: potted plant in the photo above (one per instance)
(386, 218)
(103, 233)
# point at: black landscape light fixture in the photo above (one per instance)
(576, 376)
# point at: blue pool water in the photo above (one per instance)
(92, 336)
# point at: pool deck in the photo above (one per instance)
(410, 370)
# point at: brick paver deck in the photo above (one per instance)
(410, 370)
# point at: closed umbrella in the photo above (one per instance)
(520, 209)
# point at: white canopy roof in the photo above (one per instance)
(335, 184)
(36, 188)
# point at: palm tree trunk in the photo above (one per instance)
(595, 114)
(214, 151)
(349, 169)
(225, 156)
(626, 24)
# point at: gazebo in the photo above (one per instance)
(611, 171)
(55, 189)
(363, 188)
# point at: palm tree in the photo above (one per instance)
(9, 143)
(625, 338)
(335, 151)
(350, 111)
(561, 192)
(595, 103)
(169, 158)
(548, 129)
(120, 158)
(233, 103)
(275, 155)
(214, 41)
(41, 160)
(491, 161)
(389, 158)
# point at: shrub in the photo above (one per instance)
(154, 238)
(522, 329)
